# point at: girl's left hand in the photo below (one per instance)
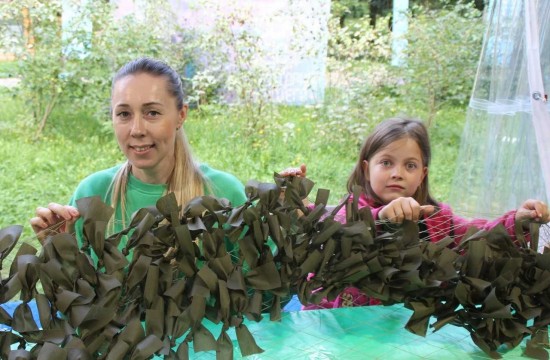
(533, 210)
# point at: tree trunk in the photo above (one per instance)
(46, 115)
(27, 29)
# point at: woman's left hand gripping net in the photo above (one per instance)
(183, 271)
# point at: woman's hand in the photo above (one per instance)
(294, 171)
(404, 208)
(55, 218)
(532, 211)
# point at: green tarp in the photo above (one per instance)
(370, 332)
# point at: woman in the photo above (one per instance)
(148, 111)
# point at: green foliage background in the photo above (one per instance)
(251, 137)
(36, 172)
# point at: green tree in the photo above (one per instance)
(376, 9)
(76, 70)
(442, 53)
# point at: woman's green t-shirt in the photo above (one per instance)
(140, 194)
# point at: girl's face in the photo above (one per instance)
(145, 120)
(396, 170)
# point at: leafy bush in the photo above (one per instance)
(72, 65)
(363, 88)
(357, 76)
(442, 53)
(231, 64)
(75, 70)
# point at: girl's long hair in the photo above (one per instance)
(385, 133)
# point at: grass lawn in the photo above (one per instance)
(8, 69)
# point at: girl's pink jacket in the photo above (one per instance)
(442, 223)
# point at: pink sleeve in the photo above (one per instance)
(375, 212)
(461, 225)
(341, 214)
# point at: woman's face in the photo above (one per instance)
(146, 119)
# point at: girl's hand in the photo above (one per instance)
(532, 210)
(55, 218)
(404, 208)
(293, 171)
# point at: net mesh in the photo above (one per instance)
(501, 155)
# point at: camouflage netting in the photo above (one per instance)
(181, 273)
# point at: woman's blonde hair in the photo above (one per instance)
(186, 180)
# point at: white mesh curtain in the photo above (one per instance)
(504, 156)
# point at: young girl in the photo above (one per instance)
(392, 169)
